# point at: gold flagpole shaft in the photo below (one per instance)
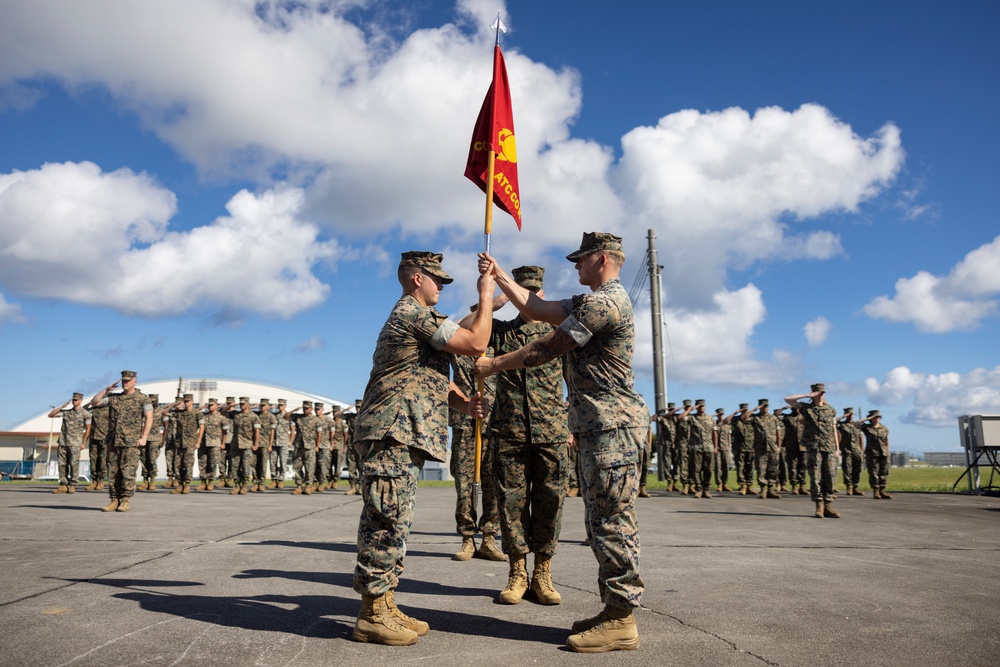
(480, 384)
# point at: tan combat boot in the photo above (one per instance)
(885, 496)
(420, 627)
(169, 484)
(705, 493)
(643, 493)
(488, 550)
(877, 494)
(307, 489)
(203, 486)
(320, 488)
(111, 507)
(186, 488)
(122, 505)
(71, 489)
(178, 487)
(617, 632)
(143, 486)
(242, 489)
(152, 484)
(857, 491)
(772, 494)
(517, 582)
(829, 512)
(92, 486)
(100, 485)
(297, 491)
(743, 490)
(763, 492)
(541, 581)
(467, 551)
(377, 625)
(572, 492)
(725, 487)
(261, 488)
(60, 489)
(235, 491)
(819, 509)
(353, 491)
(211, 485)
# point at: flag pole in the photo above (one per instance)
(487, 233)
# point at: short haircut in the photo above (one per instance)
(405, 273)
(617, 257)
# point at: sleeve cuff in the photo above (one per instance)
(579, 333)
(443, 334)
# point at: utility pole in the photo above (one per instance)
(659, 377)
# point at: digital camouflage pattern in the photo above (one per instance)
(794, 451)
(463, 453)
(819, 425)
(99, 423)
(188, 426)
(126, 419)
(600, 379)
(531, 480)
(767, 447)
(261, 458)
(406, 398)
(463, 375)
(701, 428)
(306, 442)
(210, 454)
(74, 424)
(388, 487)
(245, 424)
(279, 451)
(723, 455)
(877, 454)
(822, 473)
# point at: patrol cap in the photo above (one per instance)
(282, 401)
(76, 395)
(188, 397)
(761, 401)
(848, 410)
(744, 406)
(154, 397)
(307, 404)
(357, 402)
(178, 398)
(230, 399)
(874, 413)
(128, 375)
(317, 404)
(595, 242)
(700, 401)
(244, 399)
(265, 401)
(213, 401)
(819, 386)
(335, 408)
(671, 405)
(687, 402)
(529, 277)
(428, 262)
(720, 411)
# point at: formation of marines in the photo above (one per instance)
(788, 447)
(506, 399)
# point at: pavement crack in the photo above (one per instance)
(714, 635)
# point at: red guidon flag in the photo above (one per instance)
(495, 130)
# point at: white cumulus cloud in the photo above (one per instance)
(73, 232)
(938, 400)
(816, 331)
(938, 304)
(10, 312)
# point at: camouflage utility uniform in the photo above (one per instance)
(723, 453)
(819, 434)
(743, 452)
(126, 418)
(246, 426)
(307, 429)
(98, 443)
(280, 450)
(261, 458)
(609, 421)
(700, 451)
(876, 454)
(76, 423)
(189, 424)
(210, 453)
(851, 453)
(766, 448)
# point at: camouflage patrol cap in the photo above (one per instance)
(428, 262)
(819, 386)
(154, 397)
(335, 408)
(357, 402)
(178, 397)
(265, 401)
(188, 397)
(744, 406)
(720, 411)
(282, 401)
(761, 401)
(848, 410)
(700, 401)
(317, 404)
(671, 405)
(529, 277)
(128, 375)
(76, 395)
(874, 413)
(595, 242)
(687, 402)
(244, 399)
(213, 401)
(307, 404)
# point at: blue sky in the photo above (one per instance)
(215, 188)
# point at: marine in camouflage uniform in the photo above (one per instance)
(596, 332)
(876, 453)
(666, 430)
(767, 445)
(795, 451)
(149, 453)
(353, 462)
(305, 447)
(282, 444)
(403, 421)
(851, 452)
(782, 470)
(723, 450)
(190, 429)
(324, 453)
(338, 451)
(820, 437)
(209, 455)
(98, 447)
(231, 457)
(462, 468)
(130, 418)
(262, 455)
(572, 462)
(73, 436)
(743, 452)
(701, 448)
(170, 447)
(682, 459)
(246, 441)
(530, 431)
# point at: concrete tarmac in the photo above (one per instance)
(265, 579)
